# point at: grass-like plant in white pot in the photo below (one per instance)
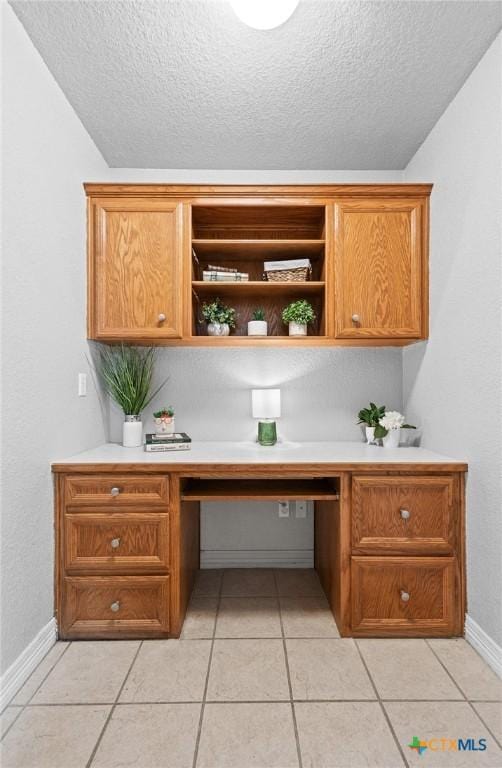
(389, 428)
(219, 318)
(298, 315)
(370, 417)
(258, 325)
(126, 374)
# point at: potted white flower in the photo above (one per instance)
(298, 314)
(389, 428)
(258, 325)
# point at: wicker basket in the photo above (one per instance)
(289, 275)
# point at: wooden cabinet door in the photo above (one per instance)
(135, 280)
(379, 269)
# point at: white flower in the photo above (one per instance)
(392, 420)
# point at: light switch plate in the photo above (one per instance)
(82, 385)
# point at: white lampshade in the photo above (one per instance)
(266, 403)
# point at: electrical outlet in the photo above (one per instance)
(301, 509)
(82, 385)
(284, 509)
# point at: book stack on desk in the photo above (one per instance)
(178, 441)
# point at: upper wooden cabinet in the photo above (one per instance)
(380, 269)
(149, 245)
(135, 269)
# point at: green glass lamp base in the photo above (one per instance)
(267, 433)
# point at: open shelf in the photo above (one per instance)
(242, 237)
(244, 250)
(318, 489)
(255, 287)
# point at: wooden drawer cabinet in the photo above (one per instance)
(403, 596)
(116, 542)
(115, 607)
(413, 515)
(116, 491)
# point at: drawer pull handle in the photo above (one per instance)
(355, 318)
(405, 596)
(115, 543)
(115, 491)
(405, 514)
(115, 606)
(162, 317)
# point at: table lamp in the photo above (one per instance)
(266, 407)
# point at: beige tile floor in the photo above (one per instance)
(259, 679)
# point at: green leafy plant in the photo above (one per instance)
(126, 374)
(217, 312)
(371, 416)
(300, 312)
(164, 412)
(259, 314)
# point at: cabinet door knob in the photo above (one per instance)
(355, 318)
(162, 317)
(115, 491)
(405, 514)
(405, 596)
(115, 606)
(115, 543)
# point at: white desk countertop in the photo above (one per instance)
(252, 453)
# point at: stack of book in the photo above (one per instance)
(178, 441)
(223, 275)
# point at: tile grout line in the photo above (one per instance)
(206, 685)
(430, 647)
(288, 673)
(23, 706)
(384, 711)
(112, 709)
(407, 700)
(466, 698)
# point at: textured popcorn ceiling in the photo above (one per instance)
(184, 84)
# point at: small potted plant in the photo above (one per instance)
(258, 325)
(219, 318)
(126, 374)
(370, 417)
(298, 314)
(164, 421)
(389, 428)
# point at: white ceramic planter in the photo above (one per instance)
(391, 439)
(132, 432)
(257, 328)
(218, 329)
(297, 329)
(164, 426)
(370, 435)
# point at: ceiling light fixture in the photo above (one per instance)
(264, 14)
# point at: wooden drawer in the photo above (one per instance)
(397, 515)
(141, 607)
(380, 586)
(119, 542)
(116, 491)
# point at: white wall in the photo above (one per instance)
(46, 156)
(453, 383)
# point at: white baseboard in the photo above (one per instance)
(268, 558)
(484, 645)
(20, 670)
